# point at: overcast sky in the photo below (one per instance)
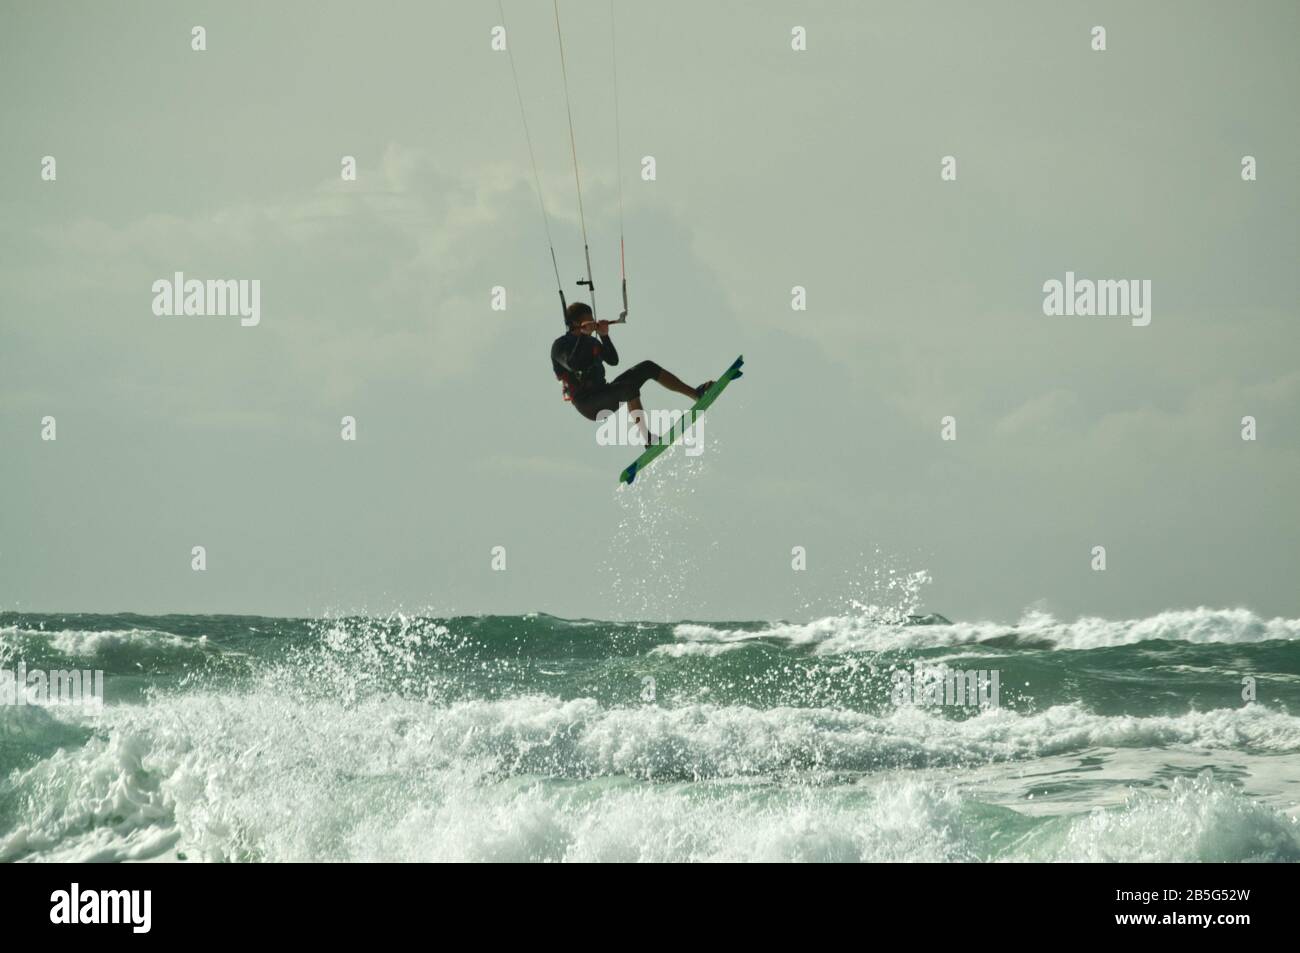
(775, 168)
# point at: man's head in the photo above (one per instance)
(575, 314)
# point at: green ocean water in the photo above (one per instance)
(537, 738)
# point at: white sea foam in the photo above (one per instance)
(269, 777)
(102, 643)
(843, 634)
(87, 643)
(687, 649)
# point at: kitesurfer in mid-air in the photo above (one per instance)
(579, 360)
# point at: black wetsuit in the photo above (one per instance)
(579, 360)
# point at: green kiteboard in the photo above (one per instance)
(679, 428)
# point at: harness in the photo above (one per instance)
(570, 379)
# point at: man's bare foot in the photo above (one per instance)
(699, 391)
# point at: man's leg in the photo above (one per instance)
(634, 377)
(675, 383)
(638, 414)
(627, 387)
